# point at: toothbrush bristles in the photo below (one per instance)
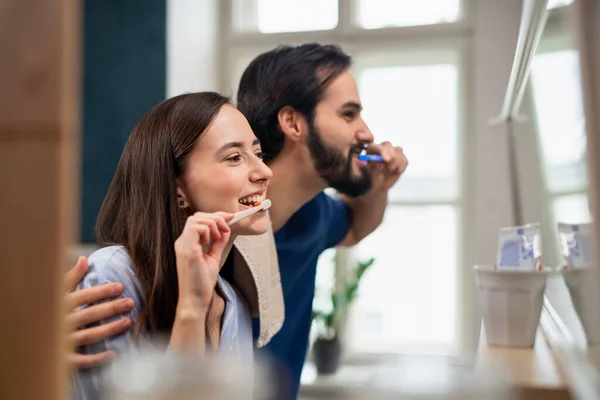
(265, 204)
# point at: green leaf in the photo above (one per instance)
(363, 266)
(334, 300)
(316, 315)
(341, 300)
(351, 292)
(330, 320)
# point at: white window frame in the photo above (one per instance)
(356, 40)
(347, 34)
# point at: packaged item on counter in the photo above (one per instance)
(575, 240)
(520, 248)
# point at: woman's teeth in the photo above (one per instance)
(252, 200)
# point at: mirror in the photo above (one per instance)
(558, 119)
(544, 101)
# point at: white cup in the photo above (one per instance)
(511, 303)
(584, 295)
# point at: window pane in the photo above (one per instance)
(399, 104)
(558, 105)
(325, 280)
(375, 14)
(324, 286)
(408, 299)
(272, 16)
(572, 209)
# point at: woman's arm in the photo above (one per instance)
(189, 330)
(198, 250)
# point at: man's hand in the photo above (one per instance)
(78, 319)
(386, 174)
(368, 210)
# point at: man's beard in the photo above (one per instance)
(336, 168)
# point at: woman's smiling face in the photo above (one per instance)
(225, 172)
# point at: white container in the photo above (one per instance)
(584, 295)
(511, 303)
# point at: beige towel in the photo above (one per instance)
(256, 275)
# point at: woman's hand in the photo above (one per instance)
(74, 320)
(198, 251)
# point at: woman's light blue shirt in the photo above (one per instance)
(112, 264)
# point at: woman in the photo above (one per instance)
(190, 163)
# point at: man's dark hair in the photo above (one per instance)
(294, 76)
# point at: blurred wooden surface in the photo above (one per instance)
(39, 123)
(535, 371)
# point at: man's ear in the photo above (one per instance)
(292, 123)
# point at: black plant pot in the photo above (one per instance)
(327, 354)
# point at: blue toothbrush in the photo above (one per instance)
(370, 157)
(363, 156)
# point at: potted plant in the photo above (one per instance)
(327, 349)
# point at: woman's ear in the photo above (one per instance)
(292, 123)
(182, 201)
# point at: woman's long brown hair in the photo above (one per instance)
(141, 211)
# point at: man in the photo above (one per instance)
(302, 103)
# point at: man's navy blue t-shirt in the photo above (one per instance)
(319, 225)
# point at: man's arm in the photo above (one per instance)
(368, 210)
(105, 269)
(367, 214)
(75, 320)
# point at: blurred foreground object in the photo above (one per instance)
(159, 374)
(414, 378)
(39, 133)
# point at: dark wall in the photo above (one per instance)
(124, 76)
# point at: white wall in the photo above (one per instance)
(192, 32)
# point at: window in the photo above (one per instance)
(572, 208)
(560, 119)
(423, 213)
(399, 101)
(561, 133)
(375, 14)
(562, 148)
(408, 299)
(324, 285)
(402, 83)
(562, 145)
(325, 281)
(274, 16)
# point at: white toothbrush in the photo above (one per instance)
(265, 204)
